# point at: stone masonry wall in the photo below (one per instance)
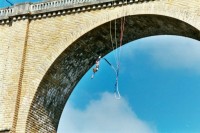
(58, 47)
(12, 39)
(73, 63)
(60, 79)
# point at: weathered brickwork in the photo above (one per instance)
(61, 49)
(12, 39)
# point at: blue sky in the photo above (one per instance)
(159, 85)
(160, 88)
(3, 3)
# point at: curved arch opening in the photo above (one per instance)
(159, 85)
(60, 80)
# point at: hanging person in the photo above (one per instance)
(96, 67)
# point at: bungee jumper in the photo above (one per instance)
(117, 54)
(116, 70)
(117, 59)
(96, 66)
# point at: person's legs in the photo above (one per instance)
(94, 71)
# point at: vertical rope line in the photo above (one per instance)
(122, 31)
(17, 104)
(117, 93)
(115, 55)
(116, 44)
(121, 35)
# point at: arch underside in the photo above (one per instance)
(60, 80)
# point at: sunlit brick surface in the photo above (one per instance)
(48, 61)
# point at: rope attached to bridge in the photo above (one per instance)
(117, 53)
(10, 2)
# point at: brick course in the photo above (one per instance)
(58, 48)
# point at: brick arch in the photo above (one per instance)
(68, 68)
(34, 42)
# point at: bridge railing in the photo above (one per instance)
(56, 3)
(19, 9)
(50, 6)
(25, 8)
(6, 12)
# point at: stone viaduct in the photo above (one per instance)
(45, 48)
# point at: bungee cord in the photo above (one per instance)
(116, 91)
(117, 52)
(10, 2)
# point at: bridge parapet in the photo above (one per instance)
(38, 10)
(17, 10)
(42, 7)
(57, 3)
(4, 13)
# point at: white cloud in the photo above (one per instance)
(106, 115)
(168, 51)
(180, 54)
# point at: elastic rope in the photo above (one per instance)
(117, 94)
(111, 65)
(116, 90)
(9, 2)
(115, 55)
(116, 44)
(117, 52)
(121, 36)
